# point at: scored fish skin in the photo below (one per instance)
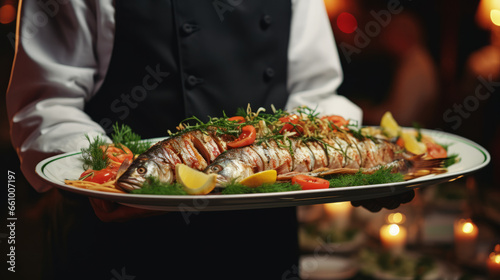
(185, 149)
(329, 155)
(303, 158)
(206, 144)
(273, 155)
(196, 149)
(235, 165)
(337, 152)
(159, 162)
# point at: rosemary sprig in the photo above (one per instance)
(218, 125)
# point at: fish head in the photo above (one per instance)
(229, 170)
(141, 169)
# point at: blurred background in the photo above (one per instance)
(431, 63)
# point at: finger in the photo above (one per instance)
(388, 202)
(103, 205)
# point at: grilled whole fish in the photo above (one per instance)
(337, 153)
(195, 148)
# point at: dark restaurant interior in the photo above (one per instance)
(435, 64)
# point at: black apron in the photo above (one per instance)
(173, 59)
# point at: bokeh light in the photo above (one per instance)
(468, 227)
(495, 17)
(396, 218)
(393, 229)
(347, 23)
(7, 13)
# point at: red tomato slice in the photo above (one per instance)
(99, 176)
(239, 119)
(400, 142)
(118, 154)
(292, 123)
(310, 183)
(435, 150)
(247, 137)
(339, 121)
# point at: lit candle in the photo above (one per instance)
(393, 237)
(339, 213)
(488, 17)
(493, 263)
(465, 233)
(396, 218)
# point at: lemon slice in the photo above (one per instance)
(257, 179)
(412, 145)
(194, 181)
(389, 125)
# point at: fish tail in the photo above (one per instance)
(418, 166)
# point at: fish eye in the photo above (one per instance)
(215, 168)
(141, 170)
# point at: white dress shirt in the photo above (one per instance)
(63, 52)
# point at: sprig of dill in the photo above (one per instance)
(94, 157)
(154, 186)
(418, 128)
(384, 175)
(123, 135)
(235, 188)
(450, 160)
(381, 176)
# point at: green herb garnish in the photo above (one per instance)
(452, 159)
(154, 186)
(418, 127)
(381, 176)
(123, 135)
(236, 188)
(94, 157)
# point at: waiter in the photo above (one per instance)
(150, 64)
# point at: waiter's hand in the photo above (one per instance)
(108, 211)
(389, 202)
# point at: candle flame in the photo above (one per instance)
(495, 17)
(468, 227)
(494, 257)
(484, 12)
(497, 248)
(393, 229)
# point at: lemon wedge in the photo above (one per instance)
(389, 125)
(257, 179)
(194, 181)
(412, 145)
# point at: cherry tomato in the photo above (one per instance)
(99, 176)
(435, 150)
(400, 142)
(247, 137)
(336, 120)
(239, 119)
(310, 183)
(118, 154)
(292, 123)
